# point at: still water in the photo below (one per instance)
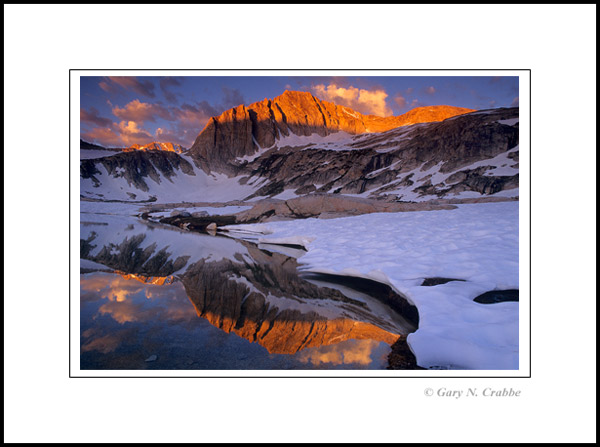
(156, 297)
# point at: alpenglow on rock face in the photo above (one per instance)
(156, 146)
(244, 130)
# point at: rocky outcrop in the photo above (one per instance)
(136, 167)
(327, 206)
(243, 130)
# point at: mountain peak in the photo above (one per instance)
(244, 130)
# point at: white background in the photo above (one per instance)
(42, 404)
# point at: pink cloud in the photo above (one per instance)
(400, 101)
(93, 117)
(145, 88)
(105, 136)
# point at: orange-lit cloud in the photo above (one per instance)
(187, 122)
(430, 90)
(131, 133)
(349, 351)
(184, 122)
(141, 112)
(129, 300)
(122, 134)
(368, 102)
(124, 311)
(515, 102)
(110, 286)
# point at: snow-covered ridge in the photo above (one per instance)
(195, 187)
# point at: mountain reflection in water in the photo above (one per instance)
(256, 312)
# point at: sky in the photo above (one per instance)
(118, 111)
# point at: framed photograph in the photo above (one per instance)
(300, 223)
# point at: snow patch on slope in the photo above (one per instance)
(335, 141)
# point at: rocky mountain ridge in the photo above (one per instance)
(244, 130)
(313, 150)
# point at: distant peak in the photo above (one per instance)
(156, 146)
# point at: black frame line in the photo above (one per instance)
(302, 377)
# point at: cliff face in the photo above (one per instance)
(244, 130)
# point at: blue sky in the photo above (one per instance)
(121, 111)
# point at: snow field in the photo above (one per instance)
(478, 243)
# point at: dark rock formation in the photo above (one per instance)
(401, 356)
(498, 296)
(435, 281)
